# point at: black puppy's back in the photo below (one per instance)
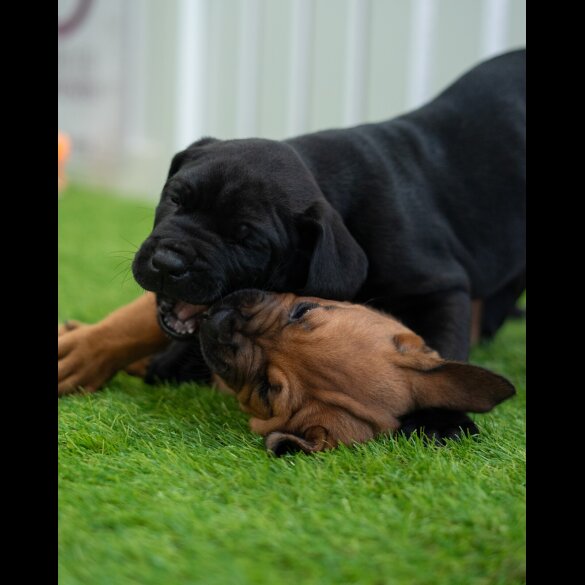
(435, 197)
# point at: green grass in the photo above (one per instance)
(166, 485)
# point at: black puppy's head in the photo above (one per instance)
(238, 214)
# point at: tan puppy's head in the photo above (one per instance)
(314, 373)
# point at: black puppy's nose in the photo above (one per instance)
(169, 262)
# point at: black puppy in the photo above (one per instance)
(416, 216)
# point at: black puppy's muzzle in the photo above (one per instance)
(165, 266)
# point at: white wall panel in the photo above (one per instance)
(139, 79)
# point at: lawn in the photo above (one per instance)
(166, 485)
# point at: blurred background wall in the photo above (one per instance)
(141, 79)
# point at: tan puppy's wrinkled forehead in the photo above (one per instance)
(314, 373)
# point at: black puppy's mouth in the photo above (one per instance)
(179, 319)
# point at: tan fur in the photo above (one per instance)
(89, 355)
(476, 316)
(345, 369)
(220, 385)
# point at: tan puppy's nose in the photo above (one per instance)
(220, 324)
(229, 315)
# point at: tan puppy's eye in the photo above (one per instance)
(302, 308)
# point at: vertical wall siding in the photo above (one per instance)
(250, 20)
(192, 61)
(420, 54)
(517, 23)
(457, 40)
(222, 84)
(281, 68)
(272, 68)
(329, 58)
(493, 25)
(388, 65)
(356, 61)
(275, 56)
(299, 78)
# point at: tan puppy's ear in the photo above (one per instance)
(437, 383)
(314, 439)
(460, 386)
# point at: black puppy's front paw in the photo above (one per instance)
(180, 362)
(438, 425)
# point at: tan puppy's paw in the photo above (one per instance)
(87, 359)
(90, 354)
(69, 325)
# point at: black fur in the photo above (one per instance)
(416, 216)
(438, 424)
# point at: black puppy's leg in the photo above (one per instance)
(501, 305)
(438, 424)
(182, 361)
(443, 320)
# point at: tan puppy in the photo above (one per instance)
(315, 373)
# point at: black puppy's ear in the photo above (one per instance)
(314, 439)
(185, 155)
(177, 163)
(338, 266)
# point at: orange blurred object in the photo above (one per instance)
(64, 151)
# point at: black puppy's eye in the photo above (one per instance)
(301, 309)
(242, 231)
(175, 199)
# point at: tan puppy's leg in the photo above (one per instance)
(89, 355)
(476, 315)
(139, 367)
